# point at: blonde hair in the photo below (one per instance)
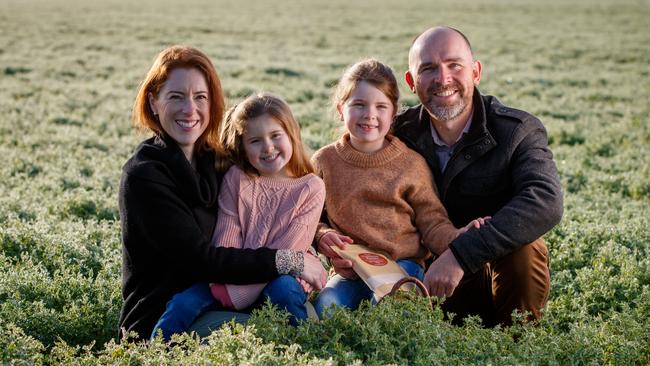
(254, 106)
(167, 60)
(371, 71)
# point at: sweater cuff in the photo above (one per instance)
(320, 233)
(289, 262)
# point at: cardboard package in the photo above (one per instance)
(379, 271)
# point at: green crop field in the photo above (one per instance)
(68, 76)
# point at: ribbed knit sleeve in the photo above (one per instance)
(228, 231)
(431, 218)
(322, 228)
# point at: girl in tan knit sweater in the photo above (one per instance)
(379, 192)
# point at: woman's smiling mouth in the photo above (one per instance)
(186, 124)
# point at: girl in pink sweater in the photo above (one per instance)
(269, 198)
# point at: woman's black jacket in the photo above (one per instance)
(168, 211)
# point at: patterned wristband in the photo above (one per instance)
(289, 262)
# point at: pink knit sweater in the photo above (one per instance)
(255, 211)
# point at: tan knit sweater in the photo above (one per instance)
(385, 200)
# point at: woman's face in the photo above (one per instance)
(183, 107)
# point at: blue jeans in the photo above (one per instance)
(212, 320)
(349, 293)
(185, 307)
(286, 293)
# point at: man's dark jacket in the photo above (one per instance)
(501, 168)
(168, 211)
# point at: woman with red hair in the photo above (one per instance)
(168, 198)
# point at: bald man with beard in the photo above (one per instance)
(487, 160)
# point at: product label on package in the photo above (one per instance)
(373, 259)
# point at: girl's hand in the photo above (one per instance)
(476, 223)
(341, 266)
(305, 285)
(313, 272)
(330, 239)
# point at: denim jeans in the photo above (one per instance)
(212, 320)
(286, 293)
(349, 293)
(185, 307)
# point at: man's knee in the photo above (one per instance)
(521, 280)
(525, 267)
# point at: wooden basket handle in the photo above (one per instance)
(422, 289)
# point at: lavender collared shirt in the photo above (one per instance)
(444, 151)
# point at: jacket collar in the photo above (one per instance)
(160, 160)
(474, 144)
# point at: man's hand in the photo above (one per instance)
(341, 266)
(443, 275)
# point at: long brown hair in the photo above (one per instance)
(371, 71)
(167, 60)
(254, 106)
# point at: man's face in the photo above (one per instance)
(443, 74)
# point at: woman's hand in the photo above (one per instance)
(341, 266)
(313, 272)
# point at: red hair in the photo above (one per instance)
(167, 60)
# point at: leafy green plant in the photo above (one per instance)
(67, 82)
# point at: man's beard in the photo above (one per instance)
(445, 113)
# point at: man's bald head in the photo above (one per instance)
(443, 73)
(429, 36)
